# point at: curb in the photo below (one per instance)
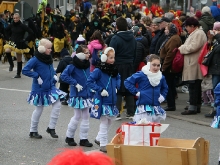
(189, 120)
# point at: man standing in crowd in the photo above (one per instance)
(124, 44)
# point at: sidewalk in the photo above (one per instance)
(199, 118)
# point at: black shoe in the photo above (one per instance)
(103, 149)
(35, 135)
(97, 142)
(188, 112)
(198, 109)
(70, 141)
(64, 103)
(52, 132)
(17, 76)
(211, 114)
(11, 68)
(118, 117)
(170, 108)
(85, 142)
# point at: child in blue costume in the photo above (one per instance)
(44, 92)
(105, 80)
(216, 121)
(76, 75)
(152, 90)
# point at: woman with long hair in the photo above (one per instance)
(96, 44)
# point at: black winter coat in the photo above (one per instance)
(63, 64)
(214, 66)
(57, 30)
(78, 30)
(161, 39)
(16, 32)
(141, 51)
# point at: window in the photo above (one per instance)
(61, 2)
(57, 2)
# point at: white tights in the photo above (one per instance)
(84, 126)
(53, 116)
(103, 130)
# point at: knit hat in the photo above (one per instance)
(216, 26)
(206, 9)
(80, 40)
(198, 14)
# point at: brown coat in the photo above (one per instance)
(191, 50)
(167, 55)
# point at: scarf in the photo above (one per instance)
(172, 31)
(109, 69)
(47, 59)
(154, 78)
(80, 64)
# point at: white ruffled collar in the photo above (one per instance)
(154, 78)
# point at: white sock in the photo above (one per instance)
(35, 118)
(54, 114)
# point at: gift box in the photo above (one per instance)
(142, 134)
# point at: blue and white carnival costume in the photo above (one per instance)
(216, 121)
(105, 80)
(80, 98)
(151, 86)
(73, 76)
(44, 94)
(98, 81)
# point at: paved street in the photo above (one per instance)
(16, 148)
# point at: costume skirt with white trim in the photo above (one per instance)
(151, 113)
(45, 98)
(79, 102)
(110, 111)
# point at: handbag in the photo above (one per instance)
(178, 61)
(203, 68)
(96, 109)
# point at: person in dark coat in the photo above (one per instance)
(214, 65)
(162, 37)
(66, 60)
(124, 45)
(156, 30)
(57, 31)
(75, 28)
(142, 47)
(167, 55)
(15, 33)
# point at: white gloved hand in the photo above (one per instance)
(55, 77)
(104, 93)
(79, 87)
(40, 81)
(116, 90)
(138, 94)
(161, 98)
